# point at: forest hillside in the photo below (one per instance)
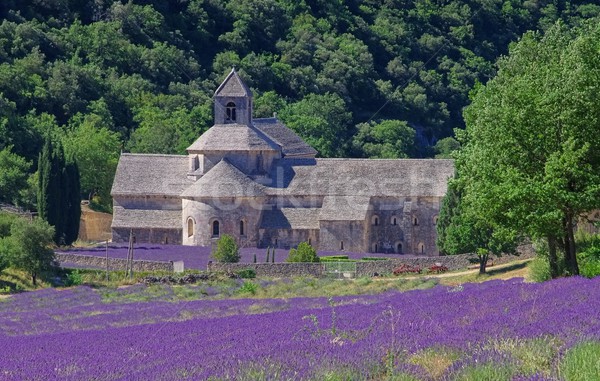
(375, 78)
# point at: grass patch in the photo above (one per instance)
(435, 361)
(13, 280)
(582, 362)
(485, 372)
(533, 356)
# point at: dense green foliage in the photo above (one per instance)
(530, 162)
(303, 253)
(13, 175)
(464, 228)
(139, 75)
(227, 250)
(58, 193)
(27, 247)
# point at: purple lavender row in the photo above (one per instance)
(300, 338)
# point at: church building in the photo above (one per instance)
(258, 181)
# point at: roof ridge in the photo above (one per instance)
(151, 154)
(378, 159)
(246, 92)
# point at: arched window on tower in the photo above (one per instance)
(242, 231)
(190, 227)
(375, 220)
(421, 248)
(399, 248)
(216, 229)
(230, 114)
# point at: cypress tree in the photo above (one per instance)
(58, 193)
(72, 200)
(44, 165)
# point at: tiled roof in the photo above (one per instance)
(291, 144)
(291, 218)
(233, 137)
(224, 180)
(361, 177)
(145, 174)
(233, 86)
(146, 218)
(344, 208)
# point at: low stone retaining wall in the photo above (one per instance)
(116, 263)
(366, 268)
(271, 269)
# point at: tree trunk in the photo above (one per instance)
(552, 258)
(482, 263)
(570, 249)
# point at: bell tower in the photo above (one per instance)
(233, 101)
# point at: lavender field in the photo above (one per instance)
(509, 329)
(197, 257)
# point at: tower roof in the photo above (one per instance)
(224, 180)
(233, 137)
(233, 86)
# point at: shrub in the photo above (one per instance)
(74, 278)
(539, 269)
(321, 259)
(333, 257)
(304, 253)
(589, 259)
(227, 250)
(406, 269)
(248, 288)
(246, 273)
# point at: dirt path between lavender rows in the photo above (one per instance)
(472, 271)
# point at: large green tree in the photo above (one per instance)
(531, 149)
(96, 149)
(28, 247)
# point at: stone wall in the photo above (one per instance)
(114, 263)
(94, 226)
(272, 269)
(367, 268)
(149, 235)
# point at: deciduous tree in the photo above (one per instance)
(28, 247)
(531, 152)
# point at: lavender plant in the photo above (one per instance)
(380, 336)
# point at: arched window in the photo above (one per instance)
(375, 220)
(309, 241)
(242, 232)
(394, 221)
(421, 248)
(374, 248)
(435, 220)
(399, 248)
(215, 229)
(341, 245)
(415, 221)
(190, 227)
(230, 112)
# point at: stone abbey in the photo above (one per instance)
(260, 182)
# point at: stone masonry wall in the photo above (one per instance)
(272, 269)
(367, 268)
(113, 263)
